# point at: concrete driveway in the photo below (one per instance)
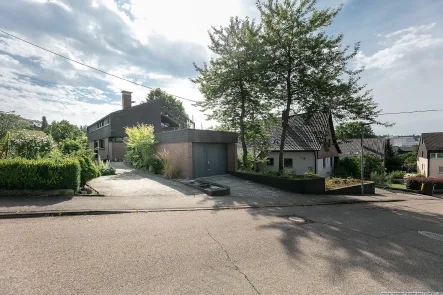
(130, 182)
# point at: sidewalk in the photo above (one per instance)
(198, 202)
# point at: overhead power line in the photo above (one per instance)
(410, 112)
(88, 66)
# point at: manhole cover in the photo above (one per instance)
(431, 235)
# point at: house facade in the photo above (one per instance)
(310, 146)
(198, 153)
(430, 155)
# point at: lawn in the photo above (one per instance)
(335, 183)
(397, 185)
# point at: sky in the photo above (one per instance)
(155, 43)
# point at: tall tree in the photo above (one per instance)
(63, 130)
(352, 130)
(229, 83)
(307, 69)
(170, 104)
(44, 123)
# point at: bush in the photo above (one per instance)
(347, 167)
(105, 169)
(155, 165)
(70, 146)
(415, 183)
(22, 173)
(30, 144)
(397, 174)
(140, 144)
(380, 178)
(88, 170)
(249, 165)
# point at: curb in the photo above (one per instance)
(109, 212)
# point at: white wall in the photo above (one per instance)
(301, 162)
(433, 167)
(327, 171)
(422, 166)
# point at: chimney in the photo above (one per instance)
(126, 100)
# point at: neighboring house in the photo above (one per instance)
(403, 149)
(309, 146)
(373, 146)
(430, 155)
(198, 153)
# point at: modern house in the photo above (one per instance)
(310, 146)
(373, 146)
(430, 155)
(198, 152)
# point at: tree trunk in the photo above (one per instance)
(242, 126)
(285, 120)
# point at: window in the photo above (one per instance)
(324, 162)
(102, 143)
(437, 156)
(331, 161)
(95, 144)
(440, 170)
(287, 163)
(101, 123)
(270, 161)
(422, 154)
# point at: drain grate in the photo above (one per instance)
(434, 236)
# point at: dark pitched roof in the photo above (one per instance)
(352, 147)
(304, 135)
(433, 141)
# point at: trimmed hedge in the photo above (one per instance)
(41, 174)
(415, 183)
(88, 170)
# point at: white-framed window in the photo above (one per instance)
(440, 170)
(436, 155)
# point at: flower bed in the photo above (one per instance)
(305, 184)
(341, 186)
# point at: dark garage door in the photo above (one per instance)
(209, 159)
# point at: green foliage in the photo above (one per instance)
(105, 168)
(351, 130)
(170, 105)
(4, 146)
(63, 130)
(380, 178)
(70, 146)
(249, 162)
(21, 173)
(44, 123)
(283, 174)
(155, 165)
(230, 82)
(140, 144)
(397, 174)
(30, 144)
(409, 161)
(88, 170)
(170, 160)
(11, 122)
(351, 167)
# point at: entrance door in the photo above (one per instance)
(209, 159)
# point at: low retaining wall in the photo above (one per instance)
(303, 186)
(37, 193)
(369, 189)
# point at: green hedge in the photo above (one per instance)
(20, 173)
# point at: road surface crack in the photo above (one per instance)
(232, 261)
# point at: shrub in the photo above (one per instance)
(170, 160)
(380, 178)
(155, 165)
(88, 170)
(70, 146)
(30, 144)
(416, 182)
(347, 167)
(249, 165)
(105, 169)
(22, 173)
(397, 174)
(140, 144)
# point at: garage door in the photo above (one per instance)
(209, 159)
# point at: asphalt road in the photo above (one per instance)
(343, 249)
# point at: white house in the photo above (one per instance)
(310, 146)
(430, 154)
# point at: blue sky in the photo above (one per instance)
(156, 42)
